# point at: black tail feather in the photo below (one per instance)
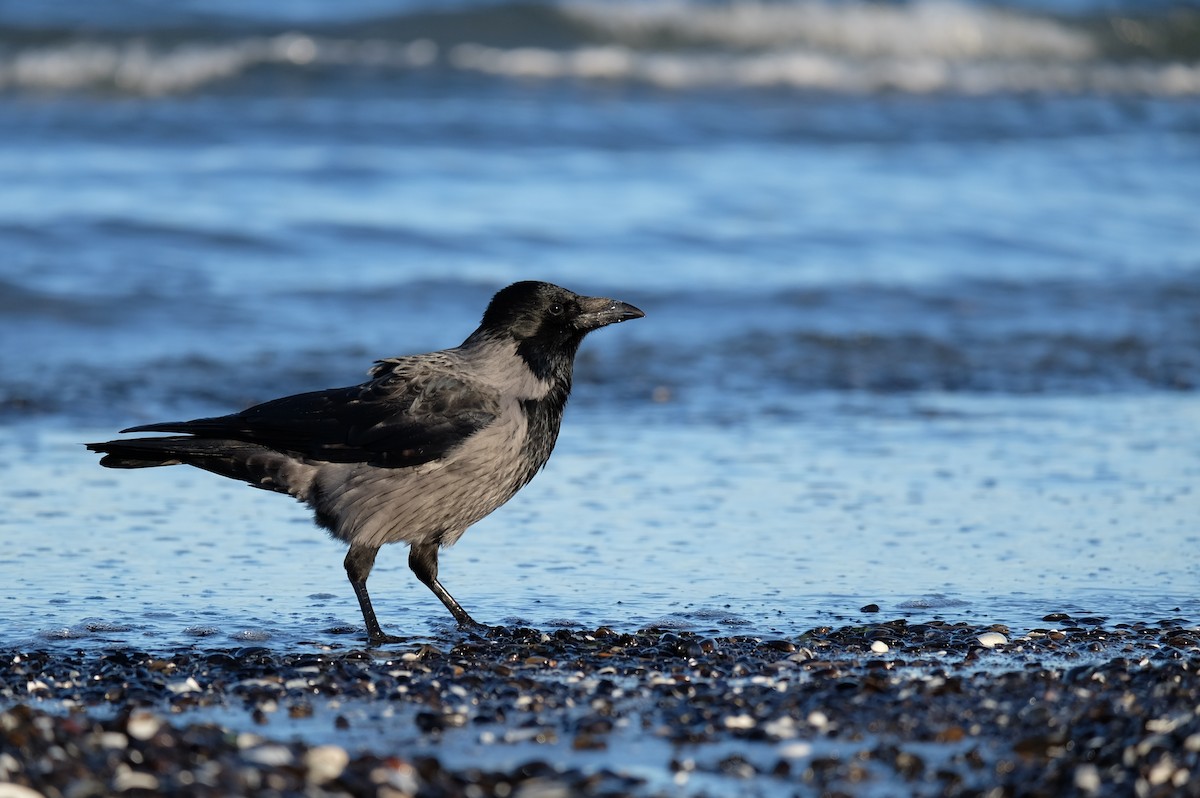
(143, 452)
(256, 465)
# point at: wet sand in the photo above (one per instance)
(1079, 707)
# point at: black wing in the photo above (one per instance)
(405, 418)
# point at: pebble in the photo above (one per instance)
(142, 725)
(991, 639)
(272, 756)
(744, 708)
(1162, 771)
(1087, 778)
(17, 791)
(129, 779)
(781, 728)
(818, 720)
(114, 740)
(188, 685)
(880, 647)
(324, 763)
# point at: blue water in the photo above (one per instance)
(922, 284)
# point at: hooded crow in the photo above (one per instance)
(428, 446)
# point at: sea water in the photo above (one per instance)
(922, 289)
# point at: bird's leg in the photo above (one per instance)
(423, 560)
(359, 561)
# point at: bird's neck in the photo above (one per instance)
(551, 364)
(553, 367)
(542, 391)
(549, 368)
(543, 418)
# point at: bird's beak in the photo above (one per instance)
(600, 312)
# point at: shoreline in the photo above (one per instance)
(1076, 708)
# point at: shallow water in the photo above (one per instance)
(986, 509)
(921, 282)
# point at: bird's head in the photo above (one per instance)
(531, 309)
(549, 322)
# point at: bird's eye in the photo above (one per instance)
(556, 309)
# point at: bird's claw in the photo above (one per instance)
(472, 626)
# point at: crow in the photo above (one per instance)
(429, 445)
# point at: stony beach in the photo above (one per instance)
(922, 295)
(1076, 707)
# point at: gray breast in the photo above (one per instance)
(436, 501)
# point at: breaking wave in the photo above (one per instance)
(830, 73)
(850, 47)
(928, 29)
(140, 67)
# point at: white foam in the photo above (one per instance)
(929, 28)
(856, 47)
(135, 67)
(813, 70)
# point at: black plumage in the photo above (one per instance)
(427, 447)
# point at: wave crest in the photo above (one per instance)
(928, 29)
(137, 67)
(849, 47)
(823, 72)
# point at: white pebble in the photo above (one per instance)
(818, 719)
(188, 685)
(248, 740)
(739, 722)
(991, 639)
(114, 740)
(782, 728)
(17, 791)
(879, 647)
(142, 726)
(325, 763)
(8, 766)
(1162, 771)
(1087, 778)
(129, 779)
(269, 755)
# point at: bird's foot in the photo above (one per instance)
(472, 626)
(381, 639)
